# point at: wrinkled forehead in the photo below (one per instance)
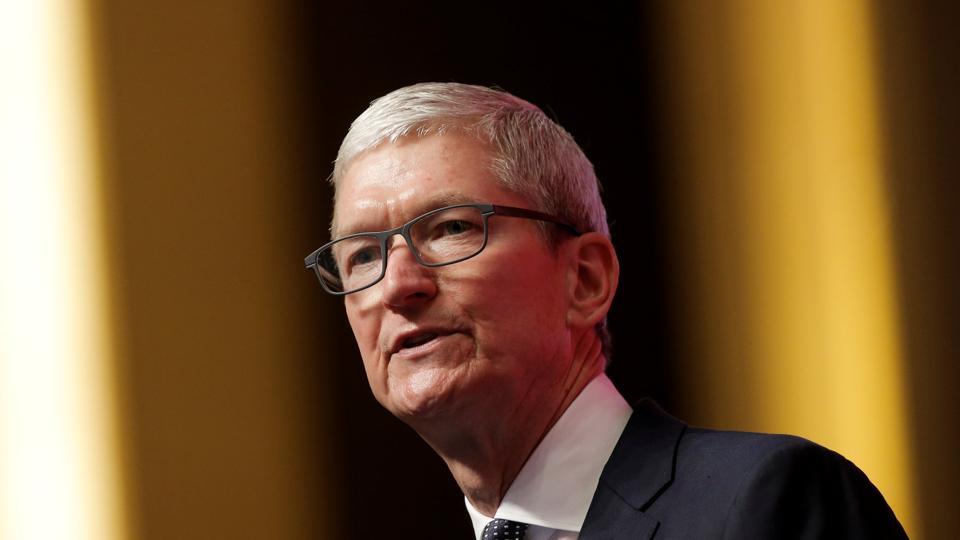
(416, 174)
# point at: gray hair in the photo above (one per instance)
(531, 154)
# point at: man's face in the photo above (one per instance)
(486, 334)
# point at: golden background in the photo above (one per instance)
(810, 218)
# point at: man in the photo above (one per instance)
(472, 252)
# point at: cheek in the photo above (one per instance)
(512, 308)
(530, 285)
(366, 331)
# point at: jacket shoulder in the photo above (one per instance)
(755, 485)
(669, 480)
(730, 454)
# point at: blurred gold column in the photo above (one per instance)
(785, 264)
(226, 404)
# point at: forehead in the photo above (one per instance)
(398, 181)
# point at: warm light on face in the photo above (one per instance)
(58, 474)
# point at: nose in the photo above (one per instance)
(406, 283)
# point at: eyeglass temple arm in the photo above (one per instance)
(524, 213)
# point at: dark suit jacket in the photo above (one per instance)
(666, 480)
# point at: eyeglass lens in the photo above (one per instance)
(438, 238)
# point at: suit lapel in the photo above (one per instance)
(640, 468)
(610, 518)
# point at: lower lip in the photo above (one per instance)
(423, 349)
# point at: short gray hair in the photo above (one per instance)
(531, 154)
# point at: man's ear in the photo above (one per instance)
(595, 272)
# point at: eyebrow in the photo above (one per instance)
(437, 200)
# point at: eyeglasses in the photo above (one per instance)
(440, 237)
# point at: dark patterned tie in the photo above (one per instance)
(504, 529)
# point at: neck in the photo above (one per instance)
(485, 451)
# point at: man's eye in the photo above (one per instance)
(454, 227)
(364, 256)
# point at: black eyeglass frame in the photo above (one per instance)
(312, 261)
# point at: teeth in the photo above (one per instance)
(418, 339)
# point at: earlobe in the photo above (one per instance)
(595, 272)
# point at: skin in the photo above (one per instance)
(515, 341)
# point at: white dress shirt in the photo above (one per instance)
(553, 490)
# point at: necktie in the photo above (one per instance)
(504, 529)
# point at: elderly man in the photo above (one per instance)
(472, 253)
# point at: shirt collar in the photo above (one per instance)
(556, 484)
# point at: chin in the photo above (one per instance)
(426, 394)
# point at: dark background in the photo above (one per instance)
(586, 66)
